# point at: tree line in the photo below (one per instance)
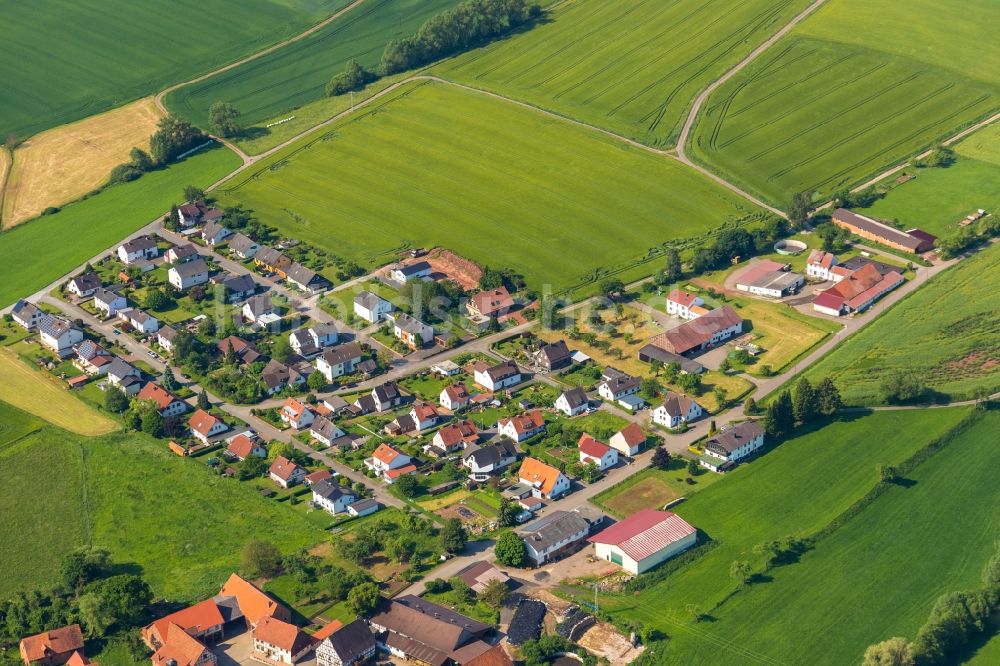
(802, 406)
(173, 137)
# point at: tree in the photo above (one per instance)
(173, 137)
(899, 386)
(893, 652)
(401, 549)
(692, 468)
(799, 208)
(741, 571)
(363, 598)
(94, 617)
(942, 156)
(252, 467)
(354, 77)
(495, 593)
(408, 485)
(649, 388)
(690, 383)
(507, 513)
(150, 419)
(453, 536)
(230, 357)
(780, 417)
(672, 268)
(671, 371)
(886, 473)
(721, 399)
(141, 159)
(612, 288)
(203, 402)
(223, 119)
(83, 565)
(281, 349)
(829, 402)
(168, 380)
(123, 597)
(510, 549)
(115, 400)
(261, 558)
(193, 193)
(750, 406)
(805, 404)
(661, 458)
(316, 380)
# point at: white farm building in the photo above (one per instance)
(644, 540)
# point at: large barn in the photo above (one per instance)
(644, 540)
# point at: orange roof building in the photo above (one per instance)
(179, 648)
(253, 602)
(202, 620)
(51, 648)
(545, 480)
(280, 641)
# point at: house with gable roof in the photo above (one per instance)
(675, 410)
(285, 473)
(546, 481)
(598, 453)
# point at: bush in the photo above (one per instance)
(354, 77)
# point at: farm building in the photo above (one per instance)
(344, 645)
(557, 533)
(685, 304)
(699, 334)
(644, 540)
(914, 240)
(649, 353)
(411, 628)
(279, 642)
(856, 292)
(770, 279)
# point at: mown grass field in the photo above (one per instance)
(653, 488)
(298, 73)
(783, 493)
(64, 163)
(945, 332)
(502, 185)
(884, 569)
(76, 59)
(181, 523)
(849, 92)
(631, 66)
(40, 393)
(47, 248)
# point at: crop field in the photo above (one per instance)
(878, 569)
(38, 392)
(631, 66)
(64, 163)
(298, 73)
(76, 59)
(952, 353)
(51, 246)
(126, 492)
(435, 164)
(983, 145)
(857, 87)
(764, 502)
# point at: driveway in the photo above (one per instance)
(234, 649)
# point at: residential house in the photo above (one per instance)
(522, 427)
(180, 254)
(623, 390)
(732, 444)
(371, 307)
(277, 377)
(411, 331)
(165, 336)
(573, 402)
(285, 473)
(297, 414)
(387, 396)
(644, 540)
(308, 342)
(413, 629)
(279, 642)
(419, 270)
(245, 352)
(238, 287)
(182, 635)
(629, 440)
(167, 403)
(914, 241)
(593, 451)
(313, 478)
(84, 285)
(189, 274)
(453, 437)
(307, 280)
(26, 314)
(346, 645)
(699, 334)
(554, 535)
(214, 233)
(139, 321)
(390, 463)
(820, 265)
(425, 416)
(191, 214)
(675, 410)
(489, 460)
(143, 247)
(496, 377)
(684, 304)
(454, 397)
(58, 334)
(255, 604)
(272, 261)
(480, 574)
(204, 426)
(243, 246)
(259, 310)
(546, 481)
(338, 362)
(242, 447)
(445, 368)
(108, 303)
(332, 497)
(92, 359)
(51, 648)
(489, 303)
(325, 431)
(554, 355)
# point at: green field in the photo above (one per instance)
(954, 352)
(781, 494)
(297, 74)
(438, 165)
(855, 88)
(49, 247)
(125, 492)
(631, 66)
(74, 59)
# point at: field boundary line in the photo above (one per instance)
(4, 179)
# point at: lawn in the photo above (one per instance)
(798, 489)
(954, 352)
(48, 398)
(653, 488)
(15, 424)
(76, 59)
(486, 179)
(297, 74)
(51, 246)
(851, 91)
(782, 331)
(631, 66)
(883, 570)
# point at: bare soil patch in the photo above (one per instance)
(454, 267)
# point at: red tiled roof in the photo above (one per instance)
(632, 434)
(386, 453)
(425, 411)
(281, 635)
(591, 447)
(400, 471)
(328, 630)
(153, 391)
(193, 619)
(535, 471)
(59, 641)
(829, 299)
(202, 422)
(824, 259)
(696, 332)
(241, 446)
(644, 533)
(684, 298)
(318, 476)
(253, 602)
(178, 647)
(526, 422)
(492, 301)
(283, 468)
(457, 392)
